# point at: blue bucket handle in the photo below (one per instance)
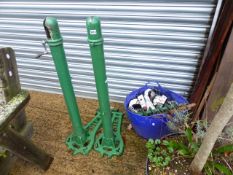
(154, 84)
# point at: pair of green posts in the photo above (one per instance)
(83, 138)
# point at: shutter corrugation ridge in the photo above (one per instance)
(144, 40)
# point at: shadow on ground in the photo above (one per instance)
(51, 127)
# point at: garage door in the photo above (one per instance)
(144, 41)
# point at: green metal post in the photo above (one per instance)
(96, 43)
(79, 141)
(107, 143)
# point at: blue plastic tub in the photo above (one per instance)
(151, 126)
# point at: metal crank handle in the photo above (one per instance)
(44, 43)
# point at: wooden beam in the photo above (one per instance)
(219, 37)
(9, 87)
(7, 162)
(24, 148)
(222, 83)
(12, 111)
(13, 108)
(9, 73)
(15, 132)
(10, 83)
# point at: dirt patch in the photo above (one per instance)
(51, 127)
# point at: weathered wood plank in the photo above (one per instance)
(222, 83)
(13, 141)
(24, 148)
(10, 83)
(9, 74)
(9, 87)
(7, 163)
(13, 108)
(219, 37)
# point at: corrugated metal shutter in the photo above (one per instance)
(151, 40)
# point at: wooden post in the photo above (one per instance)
(9, 87)
(24, 148)
(7, 162)
(222, 83)
(9, 83)
(223, 27)
(14, 130)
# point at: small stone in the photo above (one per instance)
(129, 127)
(176, 162)
(175, 171)
(149, 168)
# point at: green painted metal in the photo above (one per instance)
(110, 142)
(92, 127)
(81, 140)
(97, 53)
(118, 147)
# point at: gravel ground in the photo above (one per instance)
(51, 127)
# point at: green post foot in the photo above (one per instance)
(111, 147)
(77, 144)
